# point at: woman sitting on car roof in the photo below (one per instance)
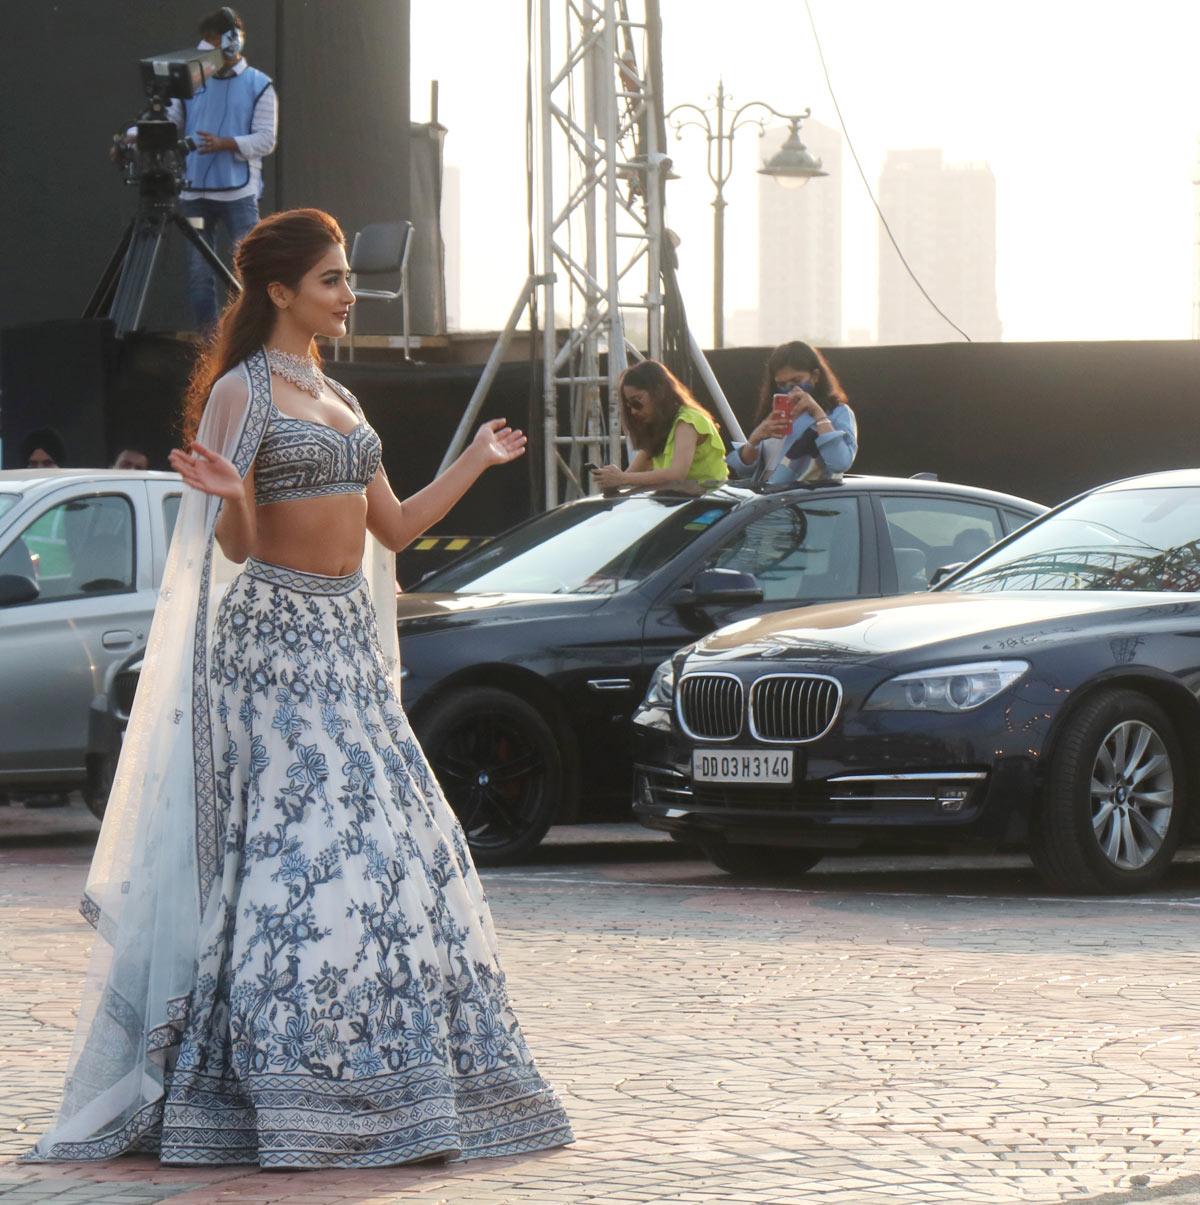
(675, 437)
(804, 427)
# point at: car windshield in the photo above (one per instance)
(1134, 539)
(599, 546)
(7, 502)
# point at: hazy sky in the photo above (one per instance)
(1086, 110)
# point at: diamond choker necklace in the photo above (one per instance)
(300, 371)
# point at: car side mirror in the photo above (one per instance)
(725, 586)
(16, 589)
(944, 571)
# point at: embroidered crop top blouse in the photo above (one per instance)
(302, 459)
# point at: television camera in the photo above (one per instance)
(155, 159)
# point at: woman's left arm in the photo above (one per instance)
(686, 438)
(837, 439)
(395, 524)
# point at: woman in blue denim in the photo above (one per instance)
(818, 435)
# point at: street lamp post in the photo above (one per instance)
(793, 163)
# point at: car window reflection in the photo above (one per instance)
(600, 547)
(1120, 540)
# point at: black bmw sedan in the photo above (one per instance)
(1042, 696)
(524, 660)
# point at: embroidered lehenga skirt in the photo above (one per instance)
(349, 1008)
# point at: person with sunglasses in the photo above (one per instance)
(814, 435)
(675, 437)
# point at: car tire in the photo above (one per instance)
(1099, 830)
(761, 861)
(499, 765)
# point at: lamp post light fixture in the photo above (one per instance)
(792, 165)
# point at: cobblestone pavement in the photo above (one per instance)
(912, 1031)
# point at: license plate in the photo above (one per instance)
(742, 765)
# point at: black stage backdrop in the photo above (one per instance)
(71, 80)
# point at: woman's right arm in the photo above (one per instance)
(742, 458)
(642, 471)
(237, 531)
(210, 473)
(774, 426)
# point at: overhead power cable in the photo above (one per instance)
(866, 183)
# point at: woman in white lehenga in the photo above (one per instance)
(296, 964)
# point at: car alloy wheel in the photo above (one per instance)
(498, 764)
(1111, 813)
(1133, 794)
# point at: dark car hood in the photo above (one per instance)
(420, 612)
(877, 627)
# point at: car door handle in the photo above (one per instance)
(604, 685)
(118, 638)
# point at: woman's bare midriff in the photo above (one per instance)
(313, 535)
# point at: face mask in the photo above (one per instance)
(231, 44)
(807, 386)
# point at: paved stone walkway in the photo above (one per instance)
(881, 1031)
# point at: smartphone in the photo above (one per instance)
(781, 404)
(589, 467)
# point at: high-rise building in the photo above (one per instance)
(800, 246)
(944, 219)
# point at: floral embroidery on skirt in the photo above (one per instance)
(349, 1007)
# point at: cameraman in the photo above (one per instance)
(233, 122)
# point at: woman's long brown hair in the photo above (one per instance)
(281, 248)
(667, 393)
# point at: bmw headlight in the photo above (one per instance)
(661, 691)
(949, 688)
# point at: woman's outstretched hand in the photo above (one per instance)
(207, 471)
(497, 443)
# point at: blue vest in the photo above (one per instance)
(226, 108)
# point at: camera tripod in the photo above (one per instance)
(122, 290)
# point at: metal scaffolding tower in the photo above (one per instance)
(596, 174)
(601, 224)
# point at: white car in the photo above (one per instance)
(82, 553)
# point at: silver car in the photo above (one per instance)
(81, 558)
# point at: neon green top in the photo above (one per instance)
(708, 464)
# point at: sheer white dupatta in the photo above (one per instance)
(160, 853)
